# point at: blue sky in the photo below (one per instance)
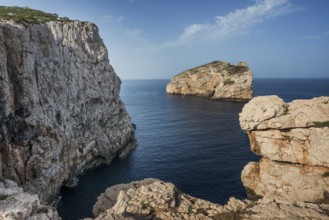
(149, 39)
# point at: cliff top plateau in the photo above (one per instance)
(27, 15)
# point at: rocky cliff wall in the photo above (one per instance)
(60, 111)
(217, 80)
(293, 140)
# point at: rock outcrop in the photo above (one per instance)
(155, 199)
(293, 139)
(60, 111)
(17, 204)
(217, 80)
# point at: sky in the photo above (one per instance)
(157, 39)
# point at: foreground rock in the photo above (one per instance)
(60, 111)
(155, 199)
(16, 204)
(293, 139)
(218, 80)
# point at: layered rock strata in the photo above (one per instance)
(293, 139)
(155, 199)
(217, 80)
(60, 111)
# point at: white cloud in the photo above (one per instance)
(237, 22)
(310, 37)
(112, 19)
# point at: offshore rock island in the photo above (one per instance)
(217, 80)
(60, 110)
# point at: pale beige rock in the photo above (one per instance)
(286, 181)
(287, 131)
(60, 111)
(155, 199)
(218, 80)
(271, 112)
(308, 146)
(18, 205)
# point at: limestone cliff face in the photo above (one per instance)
(293, 139)
(60, 111)
(218, 80)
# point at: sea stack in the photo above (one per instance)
(60, 110)
(217, 80)
(293, 141)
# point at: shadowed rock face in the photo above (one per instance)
(217, 80)
(60, 111)
(293, 139)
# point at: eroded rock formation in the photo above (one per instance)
(155, 199)
(60, 111)
(218, 80)
(293, 139)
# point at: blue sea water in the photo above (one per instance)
(193, 142)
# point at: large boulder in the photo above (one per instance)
(217, 80)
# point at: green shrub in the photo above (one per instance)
(3, 196)
(319, 124)
(27, 15)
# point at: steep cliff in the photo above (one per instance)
(293, 139)
(218, 80)
(60, 111)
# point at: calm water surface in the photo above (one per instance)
(193, 142)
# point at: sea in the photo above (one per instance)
(193, 142)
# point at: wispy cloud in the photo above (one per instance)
(112, 19)
(237, 22)
(318, 36)
(310, 37)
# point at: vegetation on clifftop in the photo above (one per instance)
(27, 15)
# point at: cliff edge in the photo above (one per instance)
(60, 110)
(217, 80)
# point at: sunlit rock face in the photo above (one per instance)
(155, 199)
(60, 111)
(217, 80)
(293, 139)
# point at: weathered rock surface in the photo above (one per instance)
(293, 139)
(18, 205)
(218, 80)
(155, 199)
(60, 111)
(281, 180)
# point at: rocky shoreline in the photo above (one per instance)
(276, 189)
(61, 114)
